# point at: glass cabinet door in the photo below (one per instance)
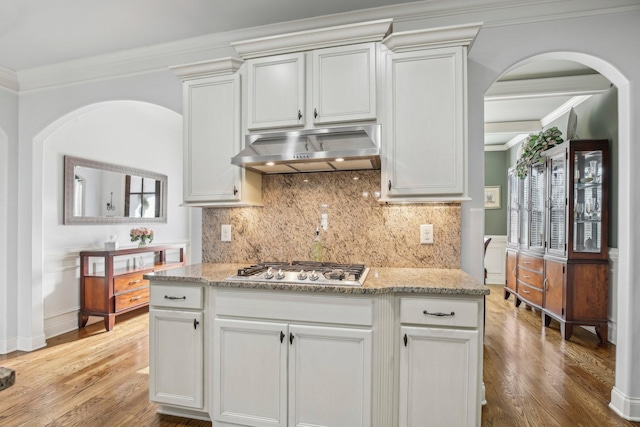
(587, 203)
(513, 208)
(557, 204)
(525, 190)
(536, 210)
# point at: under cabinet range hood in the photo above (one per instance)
(314, 150)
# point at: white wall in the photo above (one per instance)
(126, 133)
(8, 218)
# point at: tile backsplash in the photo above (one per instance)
(360, 230)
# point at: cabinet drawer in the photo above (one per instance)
(529, 294)
(132, 299)
(428, 311)
(530, 262)
(530, 278)
(127, 282)
(177, 296)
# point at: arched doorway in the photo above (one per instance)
(620, 402)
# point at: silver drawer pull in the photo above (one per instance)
(526, 277)
(453, 313)
(168, 297)
(526, 262)
(135, 298)
(526, 291)
(133, 282)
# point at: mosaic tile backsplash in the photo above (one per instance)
(360, 230)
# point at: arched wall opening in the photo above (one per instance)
(626, 342)
(127, 133)
(4, 231)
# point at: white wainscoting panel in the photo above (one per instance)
(494, 260)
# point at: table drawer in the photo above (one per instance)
(132, 299)
(177, 296)
(535, 280)
(440, 312)
(531, 263)
(127, 282)
(529, 294)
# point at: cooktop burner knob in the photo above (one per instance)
(313, 275)
(280, 274)
(269, 273)
(302, 275)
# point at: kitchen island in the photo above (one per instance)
(405, 348)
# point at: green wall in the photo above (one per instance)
(495, 173)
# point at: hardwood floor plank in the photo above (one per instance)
(533, 377)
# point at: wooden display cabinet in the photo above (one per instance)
(557, 258)
(119, 286)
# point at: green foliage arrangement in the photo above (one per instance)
(534, 145)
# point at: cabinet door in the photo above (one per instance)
(513, 209)
(250, 371)
(176, 358)
(511, 267)
(536, 208)
(426, 132)
(344, 84)
(330, 377)
(439, 377)
(275, 89)
(554, 287)
(557, 204)
(212, 136)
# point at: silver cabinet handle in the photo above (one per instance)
(453, 313)
(135, 298)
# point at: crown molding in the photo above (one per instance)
(456, 35)
(216, 67)
(587, 84)
(423, 14)
(9, 80)
(362, 32)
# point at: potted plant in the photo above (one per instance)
(534, 145)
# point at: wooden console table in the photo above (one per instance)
(119, 289)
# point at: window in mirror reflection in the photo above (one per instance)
(142, 197)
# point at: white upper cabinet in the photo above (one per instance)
(425, 136)
(212, 135)
(312, 78)
(425, 149)
(344, 84)
(276, 91)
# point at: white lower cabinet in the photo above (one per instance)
(176, 368)
(279, 374)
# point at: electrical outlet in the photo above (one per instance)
(426, 234)
(225, 233)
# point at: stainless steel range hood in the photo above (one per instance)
(314, 150)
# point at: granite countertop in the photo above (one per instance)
(379, 280)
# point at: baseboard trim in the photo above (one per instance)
(625, 406)
(31, 343)
(184, 413)
(8, 346)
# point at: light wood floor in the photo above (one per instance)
(533, 377)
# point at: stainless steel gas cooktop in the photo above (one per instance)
(305, 272)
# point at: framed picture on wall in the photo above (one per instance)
(492, 197)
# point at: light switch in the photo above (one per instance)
(225, 233)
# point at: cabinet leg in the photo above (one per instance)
(546, 319)
(82, 321)
(109, 321)
(566, 329)
(602, 331)
(518, 301)
(506, 294)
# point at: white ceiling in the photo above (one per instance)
(37, 33)
(34, 33)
